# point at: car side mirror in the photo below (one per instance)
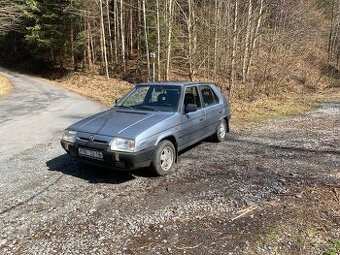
(117, 100)
(190, 108)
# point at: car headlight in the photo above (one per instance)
(121, 144)
(69, 136)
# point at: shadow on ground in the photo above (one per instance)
(93, 174)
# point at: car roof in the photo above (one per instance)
(176, 83)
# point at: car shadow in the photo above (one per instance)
(93, 174)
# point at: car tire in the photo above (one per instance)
(165, 158)
(221, 131)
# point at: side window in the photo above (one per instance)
(209, 96)
(192, 97)
(217, 100)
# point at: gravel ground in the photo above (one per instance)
(228, 198)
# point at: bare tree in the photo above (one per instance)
(122, 35)
(255, 37)
(146, 39)
(158, 42)
(192, 39)
(247, 41)
(88, 40)
(115, 29)
(103, 39)
(109, 29)
(217, 34)
(169, 19)
(234, 45)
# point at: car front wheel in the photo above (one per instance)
(221, 132)
(165, 157)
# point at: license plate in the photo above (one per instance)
(90, 153)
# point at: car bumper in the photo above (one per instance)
(114, 160)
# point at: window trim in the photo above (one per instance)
(198, 94)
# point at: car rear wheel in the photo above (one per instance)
(222, 131)
(165, 157)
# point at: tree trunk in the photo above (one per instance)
(104, 53)
(158, 42)
(109, 29)
(89, 36)
(115, 29)
(192, 39)
(217, 32)
(122, 31)
(146, 40)
(247, 40)
(139, 21)
(73, 62)
(131, 34)
(233, 51)
(169, 12)
(255, 36)
(331, 33)
(92, 48)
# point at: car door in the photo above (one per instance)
(212, 107)
(192, 124)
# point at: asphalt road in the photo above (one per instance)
(50, 204)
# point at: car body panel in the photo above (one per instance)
(118, 122)
(191, 128)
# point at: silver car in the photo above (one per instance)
(150, 126)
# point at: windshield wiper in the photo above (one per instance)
(126, 107)
(146, 108)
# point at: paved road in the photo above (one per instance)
(35, 111)
(50, 204)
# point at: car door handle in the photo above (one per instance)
(201, 119)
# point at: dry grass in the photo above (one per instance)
(269, 108)
(262, 108)
(276, 107)
(96, 87)
(5, 86)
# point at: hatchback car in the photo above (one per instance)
(149, 126)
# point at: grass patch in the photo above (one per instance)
(333, 248)
(5, 86)
(271, 108)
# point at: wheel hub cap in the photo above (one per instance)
(167, 158)
(222, 131)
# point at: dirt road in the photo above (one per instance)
(257, 193)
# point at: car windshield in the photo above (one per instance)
(162, 98)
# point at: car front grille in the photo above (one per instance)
(87, 140)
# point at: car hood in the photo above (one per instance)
(118, 122)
